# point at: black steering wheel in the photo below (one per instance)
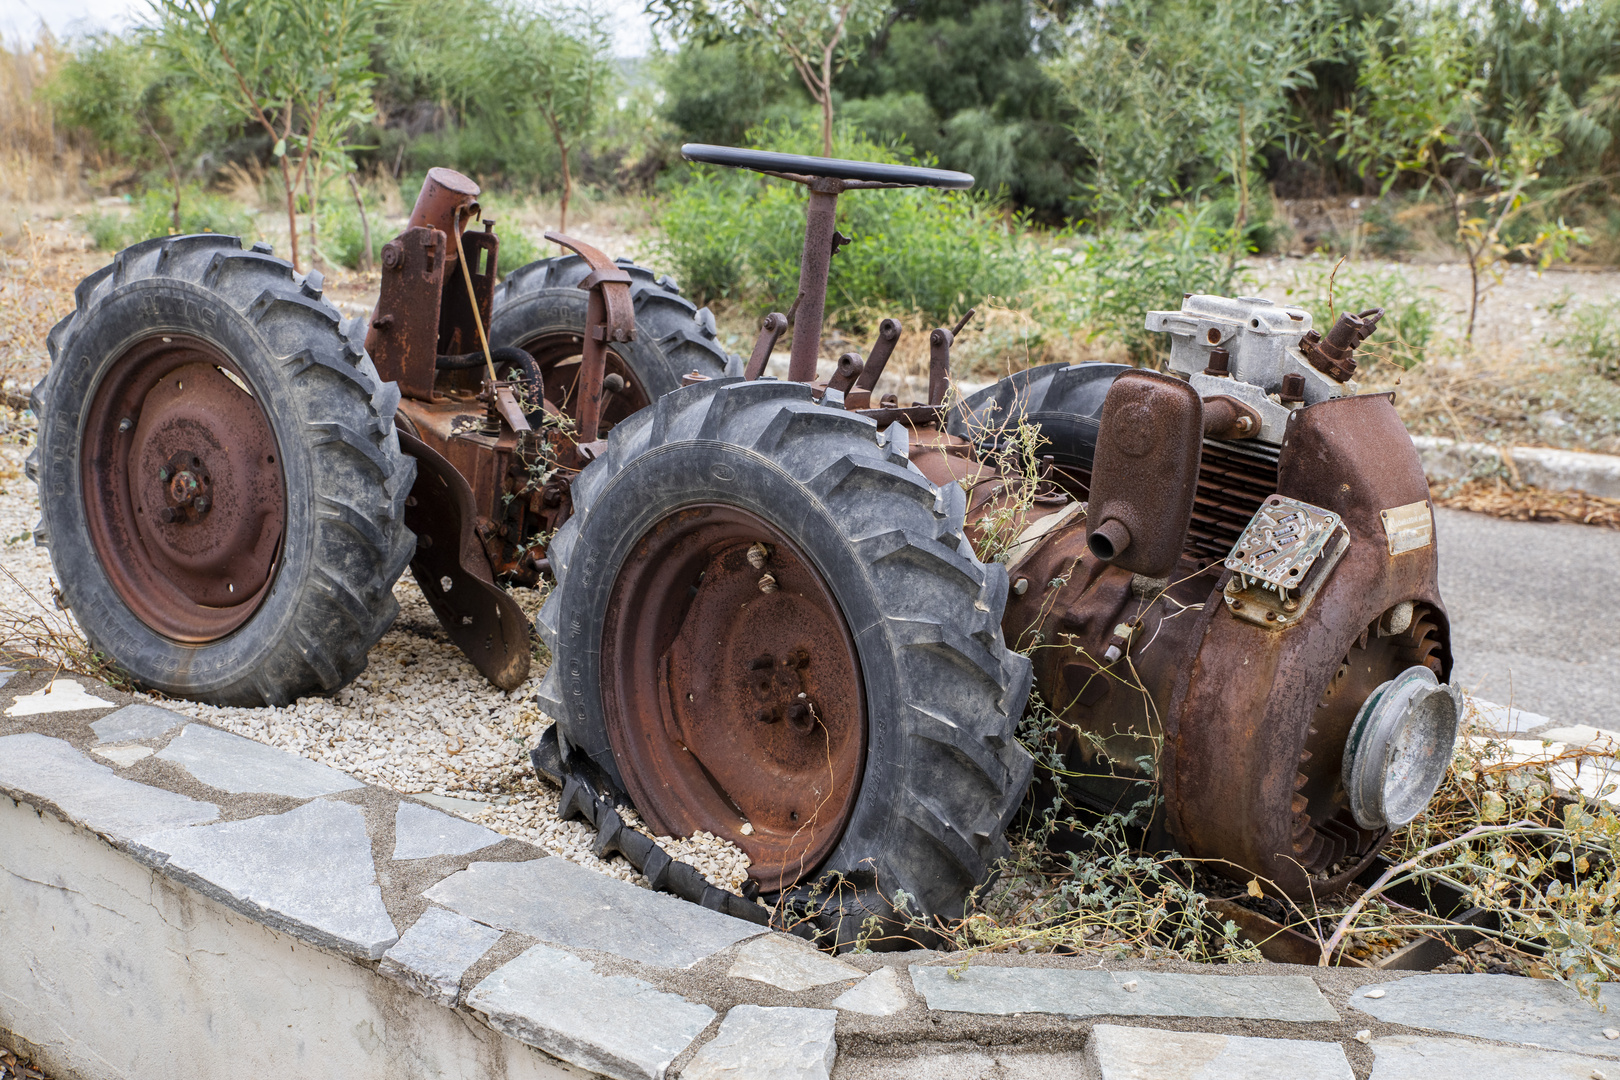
(801, 168)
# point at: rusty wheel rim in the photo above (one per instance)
(732, 690)
(1326, 834)
(183, 488)
(558, 356)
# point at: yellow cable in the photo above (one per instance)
(472, 298)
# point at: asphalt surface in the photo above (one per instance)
(1535, 614)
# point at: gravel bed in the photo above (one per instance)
(419, 719)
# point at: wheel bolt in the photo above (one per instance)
(799, 714)
(168, 515)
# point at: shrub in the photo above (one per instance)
(1102, 286)
(728, 233)
(1592, 334)
(151, 215)
(1410, 312)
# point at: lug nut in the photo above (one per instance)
(202, 504)
(164, 472)
(168, 515)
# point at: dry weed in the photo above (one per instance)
(1498, 498)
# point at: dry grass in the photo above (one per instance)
(38, 161)
(1505, 396)
(1498, 498)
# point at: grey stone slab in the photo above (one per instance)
(1067, 992)
(433, 955)
(756, 1043)
(135, 722)
(555, 900)
(878, 994)
(1141, 1053)
(421, 832)
(613, 1024)
(232, 763)
(463, 807)
(1425, 1057)
(57, 696)
(90, 792)
(1504, 1008)
(307, 872)
(122, 756)
(789, 964)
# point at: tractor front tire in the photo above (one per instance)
(769, 625)
(222, 488)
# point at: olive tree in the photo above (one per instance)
(1167, 92)
(1419, 112)
(300, 70)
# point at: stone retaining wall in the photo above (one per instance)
(178, 901)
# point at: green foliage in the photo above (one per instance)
(299, 70)
(141, 112)
(518, 249)
(1592, 333)
(716, 93)
(1171, 95)
(815, 37)
(1411, 313)
(1102, 285)
(1419, 111)
(150, 216)
(729, 233)
(962, 81)
(530, 76)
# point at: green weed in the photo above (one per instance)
(152, 215)
(737, 235)
(1592, 333)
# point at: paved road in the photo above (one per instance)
(1535, 614)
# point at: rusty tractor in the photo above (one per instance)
(233, 477)
(771, 621)
(770, 617)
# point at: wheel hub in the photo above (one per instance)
(733, 693)
(184, 492)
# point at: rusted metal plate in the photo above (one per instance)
(736, 705)
(1408, 527)
(404, 334)
(183, 486)
(455, 575)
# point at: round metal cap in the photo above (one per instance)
(1399, 746)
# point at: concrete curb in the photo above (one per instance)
(263, 920)
(1539, 466)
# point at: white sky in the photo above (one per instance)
(20, 19)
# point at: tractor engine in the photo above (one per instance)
(1237, 600)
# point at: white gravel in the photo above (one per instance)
(419, 719)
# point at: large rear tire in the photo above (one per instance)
(540, 308)
(711, 695)
(222, 488)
